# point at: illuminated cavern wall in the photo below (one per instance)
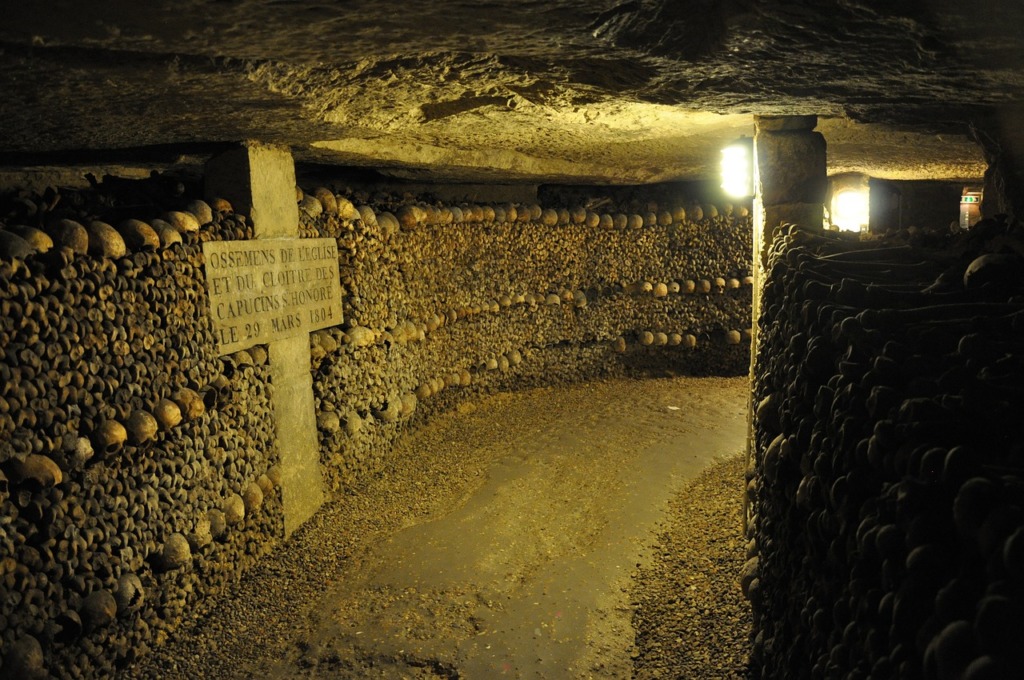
(445, 303)
(139, 475)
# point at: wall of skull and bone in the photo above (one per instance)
(139, 475)
(886, 486)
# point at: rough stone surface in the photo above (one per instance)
(784, 123)
(627, 92)
(791, 167)
(804, 214)
(257, 180)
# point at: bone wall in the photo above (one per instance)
(887, 482)
(138, 470)
(446, 303)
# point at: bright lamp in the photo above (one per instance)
(850, 209)
(738, 168)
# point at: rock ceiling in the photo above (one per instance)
(523, 90)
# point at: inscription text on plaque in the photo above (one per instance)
(268, 289)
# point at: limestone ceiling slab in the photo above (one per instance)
(584, 90)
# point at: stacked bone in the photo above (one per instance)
(136, 468)
(887, 489)
(444, 303)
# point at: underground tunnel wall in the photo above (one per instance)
(455, 307)
(886, 488)
(139, 475)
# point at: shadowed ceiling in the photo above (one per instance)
(560, 91)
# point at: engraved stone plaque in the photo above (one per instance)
(268, 289)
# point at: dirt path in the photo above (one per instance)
(503, 543)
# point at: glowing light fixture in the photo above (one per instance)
(850, 209)
(851, 205)
(738, 168)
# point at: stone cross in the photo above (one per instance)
(275, 289)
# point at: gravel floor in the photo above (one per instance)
(691, 619)
(308, 609)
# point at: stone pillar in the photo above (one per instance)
(790, 183)
(259, 180)
(790, 177)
